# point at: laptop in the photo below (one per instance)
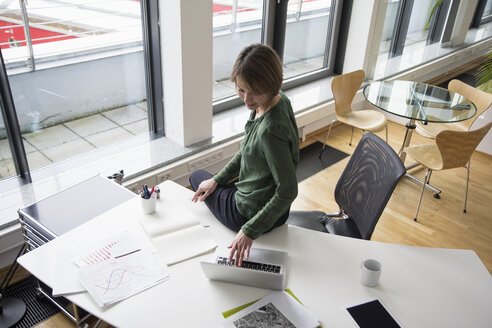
(265, 268)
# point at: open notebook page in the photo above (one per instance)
(177, 234)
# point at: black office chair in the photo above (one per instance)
(362, 191)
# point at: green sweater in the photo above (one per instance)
(266, 164)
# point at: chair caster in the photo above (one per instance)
(464, 211)
(437, 196)
(415, 219)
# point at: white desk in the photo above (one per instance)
(421, 287)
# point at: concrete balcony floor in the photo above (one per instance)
(63, 141)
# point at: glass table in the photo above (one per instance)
(418, 102)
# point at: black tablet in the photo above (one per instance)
(372, 314)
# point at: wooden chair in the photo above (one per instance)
(344, 88)
(451, 149)
(362, 192)
(481, 99)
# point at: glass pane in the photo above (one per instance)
(487, 12)
(417, 31)
(306, 36)
(12, 35)
(236, 24)
(390, 21)
(84, 87)
(7, 168)
(416, 48)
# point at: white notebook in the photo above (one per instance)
(177, 235)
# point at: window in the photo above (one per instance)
(483, 13)
(487, 12)
(77, 76)
(236, 24)
(300, 30)
(418, 31)
(307, 36)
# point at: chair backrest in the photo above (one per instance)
(481, 99)
(456, 147)
(344, 88)
(368, 181)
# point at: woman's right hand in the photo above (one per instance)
(205, 188)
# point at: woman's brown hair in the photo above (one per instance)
(260, 68)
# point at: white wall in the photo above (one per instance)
(360, 35)
(186, 41)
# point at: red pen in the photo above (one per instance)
(152, 191)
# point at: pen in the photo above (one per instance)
(144, 192)
(122, 255)
(152, 191)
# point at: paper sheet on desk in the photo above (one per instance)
(276, 309)
(120, 267)
(119, 278)
(65, 272)
(69, 260)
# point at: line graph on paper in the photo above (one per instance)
(131, 271)
(120, 277)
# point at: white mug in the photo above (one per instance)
(148, 205)
(370, 272)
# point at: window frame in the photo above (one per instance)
(478, 18)
(273, 34)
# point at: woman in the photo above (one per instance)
(266, 163)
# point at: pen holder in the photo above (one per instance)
(148, 205)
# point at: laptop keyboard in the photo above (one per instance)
(251, 265)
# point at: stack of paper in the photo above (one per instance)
(278, 309)
(177, 236)
(119, 268)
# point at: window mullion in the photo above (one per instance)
(152, 59)
(268, 22)
(280, 25)
(12, 125)
(401, 29)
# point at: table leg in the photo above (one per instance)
(428, 186)
(403, 155)
(406, 140)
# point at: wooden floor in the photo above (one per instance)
(441, 223)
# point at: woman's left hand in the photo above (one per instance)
(241, 246)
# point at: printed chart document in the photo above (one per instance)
(278, 309)
(177, 235)
(119, 268)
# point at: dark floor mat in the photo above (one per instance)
(37, 310)
(310, 163)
